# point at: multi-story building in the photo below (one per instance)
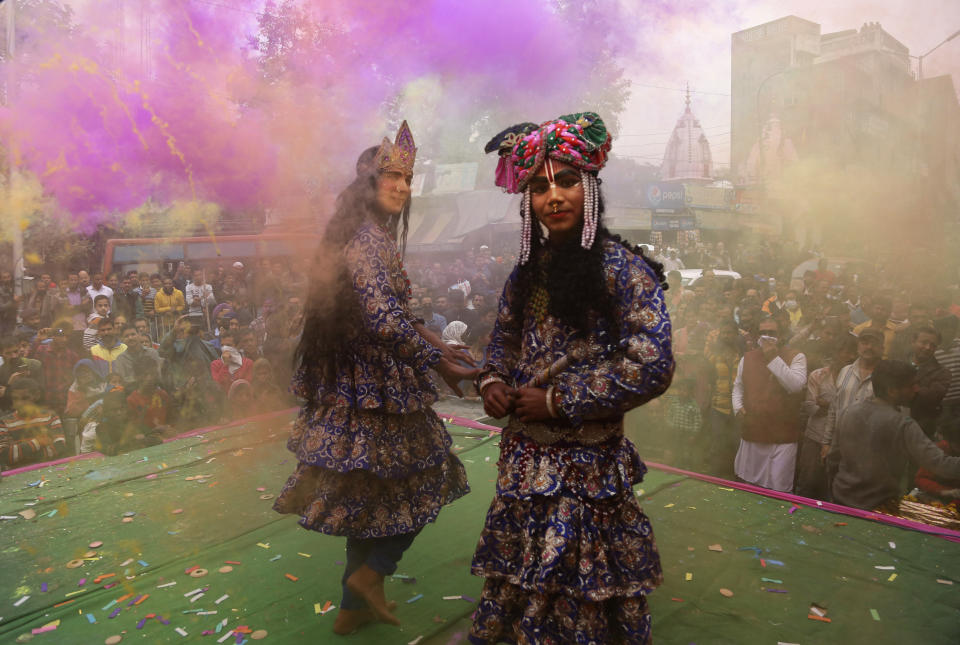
(848, 109)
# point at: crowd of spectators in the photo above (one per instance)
(121, 361)
(784, 381)
(837, 383)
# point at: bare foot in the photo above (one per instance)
(350, 620)
(368, 583)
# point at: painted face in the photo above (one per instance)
(393, 191)
(557, 199)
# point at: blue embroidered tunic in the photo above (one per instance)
(567, 551)
(374, 459)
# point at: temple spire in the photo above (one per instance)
(688, 156)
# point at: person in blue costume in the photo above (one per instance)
(582, 336)
(374, 459)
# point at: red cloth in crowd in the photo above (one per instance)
(221, 373)
(927, 481)
(149, 409)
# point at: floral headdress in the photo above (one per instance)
(580, 140)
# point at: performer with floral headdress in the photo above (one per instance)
(374, 459)
(582, 336)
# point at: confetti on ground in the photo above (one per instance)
(290, 576)
(305, 555)
(893, 545)
(716, 547)
(892, 577)
(688, 576)
(794, 509)
(415, 598)
(22, 600)
(726, 593)
(773, 580)
(452, 597)
(944, 582)
(221, 599)
(875, 614)
(822, 619)
(416, 640)
(181, 631)
(885, 568)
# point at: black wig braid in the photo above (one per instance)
(574, 277)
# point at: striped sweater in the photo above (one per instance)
(949, 358)
(27, 440)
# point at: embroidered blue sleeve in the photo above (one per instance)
(367, 258)
(641, 367)
(503, 351)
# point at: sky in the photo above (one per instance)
(203, 127)
(695, 48)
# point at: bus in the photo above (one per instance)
(164, 254)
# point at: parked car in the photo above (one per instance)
(689, 277)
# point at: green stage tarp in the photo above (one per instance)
(214, 481)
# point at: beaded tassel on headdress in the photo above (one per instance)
(591, 209)
(526, 228)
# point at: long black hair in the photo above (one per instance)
(575, 282)
(331, 310)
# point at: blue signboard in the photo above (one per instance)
(673, 222)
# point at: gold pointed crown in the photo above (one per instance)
(398, 155)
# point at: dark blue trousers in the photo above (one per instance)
(380, 554)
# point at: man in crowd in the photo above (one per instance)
(766, 400)
(57, 360)
(42, 300)
(920, 316)
(874, 442)
(199, 299)
(933, 380)
(15, 366)
(821, 394)
(30, 432)
(169, 304)
(854, 382)
(126, 363)
(98, 288)
(145, 307)
(9, 302)
(125, 300)
(880, 308)
(108, 347)
(949, 358)
(724, 355)
(432, 320)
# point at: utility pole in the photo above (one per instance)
(13, 219)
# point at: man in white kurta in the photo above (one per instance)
(767, 395)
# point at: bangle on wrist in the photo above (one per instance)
(551, 407)
(487, 380)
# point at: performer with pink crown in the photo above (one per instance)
(582, 336)
(374, 459)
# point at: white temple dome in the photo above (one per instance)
(687, 156)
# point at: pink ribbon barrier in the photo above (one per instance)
(948, 534)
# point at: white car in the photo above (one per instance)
(689, 277)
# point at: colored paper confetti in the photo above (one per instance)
(875, 614)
